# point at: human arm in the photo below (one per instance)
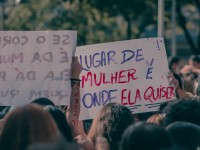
(188, 69)
(74, 108)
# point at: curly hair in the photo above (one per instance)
(187, 110)
(110, 123)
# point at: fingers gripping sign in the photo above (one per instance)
(172, 81)
(76, 68)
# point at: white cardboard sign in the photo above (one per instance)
(132, 73)
(35, 64)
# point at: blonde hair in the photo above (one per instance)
(109, 125)
(157, 119)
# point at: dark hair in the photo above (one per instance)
(27, 125)
(177, 77)
(173, 60)
(187, 110)
(43, 101)
(109, 125)
(145, 136)
(61, 122)
(145, 115)
(163, 106)
(195, 58)
(173, 148)
(184, 134)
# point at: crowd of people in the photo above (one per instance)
(41, 125)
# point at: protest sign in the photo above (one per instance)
(35, 64)
(132, 73)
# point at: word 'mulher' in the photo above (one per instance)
(120, 77)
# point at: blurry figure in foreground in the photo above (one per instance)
(42, 101)
(27, 125)
(185, 135)
(61, 122)
(145, 136)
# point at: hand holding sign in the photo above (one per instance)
(76, 68)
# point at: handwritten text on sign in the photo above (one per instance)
(132, 73)
(35, 64)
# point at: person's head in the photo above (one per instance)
(175, 64)
(109, 124)
(184, 134)
(145, 136)
(42, 101)
(27, 125)
(195, 61)
(187, 110)
(61, 122)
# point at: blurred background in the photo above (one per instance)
(97, 21)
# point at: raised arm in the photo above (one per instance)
(188, 69)
(74, 109)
